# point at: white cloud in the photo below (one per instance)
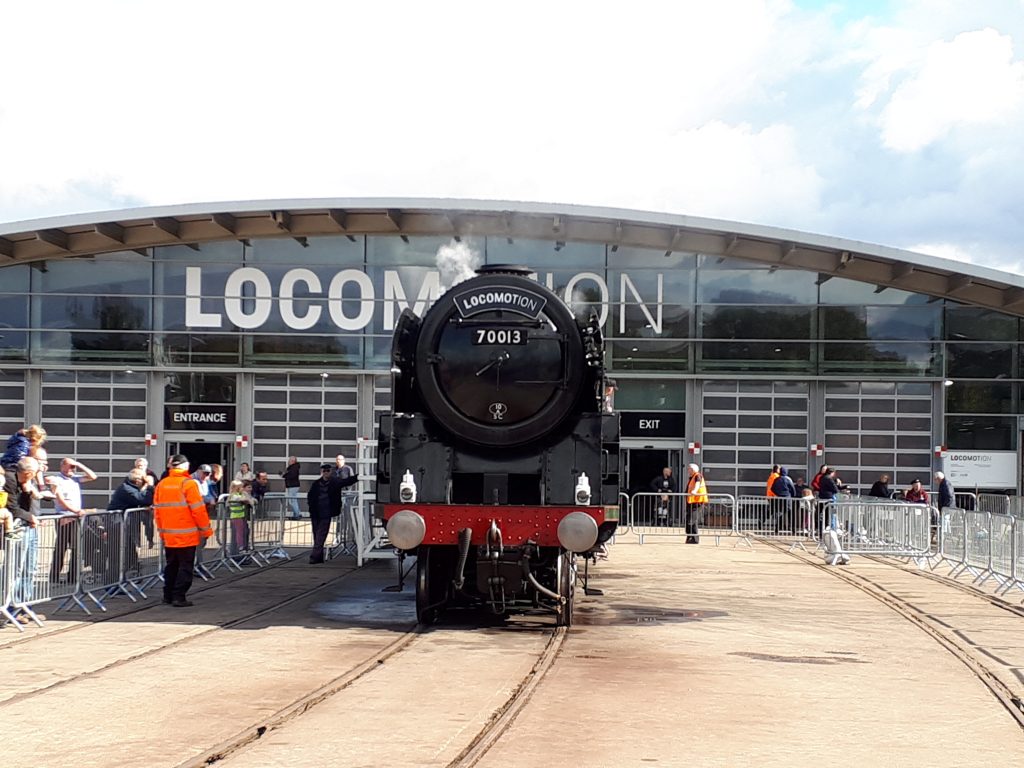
(756, 110)
(943, 251)
(971, 79)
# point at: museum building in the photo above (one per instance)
(258, 330)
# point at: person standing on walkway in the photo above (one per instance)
(291, 485)
(23, 503)
(828, 489)
(324, 501)
(696, 498)
(783, 493)
(665, 484)
(240, 505)
(947, 496)
(136, 492)
(67, 489)
(182, 522)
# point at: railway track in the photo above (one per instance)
(99, 618)
(417, 641)
(149, 652)
(974, 658)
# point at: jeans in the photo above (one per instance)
(24, 578)
(293, 500)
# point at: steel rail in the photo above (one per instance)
(932, 626)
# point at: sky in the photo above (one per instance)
(895, 123)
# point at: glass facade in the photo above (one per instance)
(779, 359)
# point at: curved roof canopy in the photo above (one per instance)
(139, 228)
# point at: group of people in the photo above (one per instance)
(916, 493)
(177, 505)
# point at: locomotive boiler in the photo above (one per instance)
(499, 463)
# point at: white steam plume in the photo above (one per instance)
(456, 262)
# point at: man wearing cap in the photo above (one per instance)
(182, 521)
(324, 502)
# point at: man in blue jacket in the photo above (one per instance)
(783, 503)
(134, 493)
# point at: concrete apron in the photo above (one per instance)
(720, 656)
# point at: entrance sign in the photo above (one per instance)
(199, 418)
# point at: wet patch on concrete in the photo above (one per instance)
(367, 606)
(779, 659)
(605, 614)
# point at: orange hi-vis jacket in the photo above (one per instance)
(696, 490)
(180, 511)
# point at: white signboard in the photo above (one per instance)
(981, 469)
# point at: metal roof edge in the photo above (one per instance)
(722, 226)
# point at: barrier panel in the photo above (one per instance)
(1016, 506)
(965, 500)
(371, 535)
(984, 545)
(953, 540)
(234, 536)
(10, 552)
(1001, 549)
(266, 529)
(881, 528)
(995, 503)
(34, 580)
(666, 514)
(775, 518)
(101, 545)
(1017, 574)
(143, 553)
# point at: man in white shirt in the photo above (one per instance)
(67, 502)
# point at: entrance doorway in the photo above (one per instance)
(645, 464)
(207, 453)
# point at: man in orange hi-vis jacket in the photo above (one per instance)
(182, 520)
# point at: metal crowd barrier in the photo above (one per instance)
(776, 518)
(233, 536)
(143, 559)
(996, 503)
(665, 514)
(983, 545)
(267, 527)
(894, 529)
(84, 561)
(8, 556)
(965, 500)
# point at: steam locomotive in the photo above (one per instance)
(499, 463)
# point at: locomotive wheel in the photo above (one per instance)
(566, 586)
(433, 573)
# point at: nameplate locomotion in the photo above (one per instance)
(494, 298)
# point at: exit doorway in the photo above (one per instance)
(645, 464)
